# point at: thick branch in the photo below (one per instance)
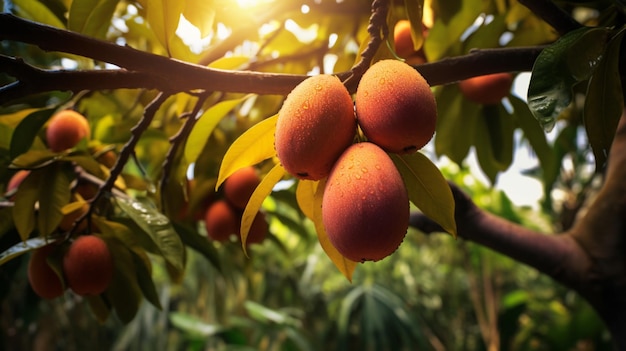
(164, 74)
(556, 255)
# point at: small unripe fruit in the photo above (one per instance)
(65, 129)
(395, 107)
(315, 124)
(88, 265)
(240, 185)
(488, 89)
(221, 221)
(258, 229)
(44, 281)
(365, 208)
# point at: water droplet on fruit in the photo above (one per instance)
(357, 176)
(318, 87)
(364, 170)
(306, 105)
(377, 167)
(382, 81)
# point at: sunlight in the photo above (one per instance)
(250, 3)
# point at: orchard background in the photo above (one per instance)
(180, 94)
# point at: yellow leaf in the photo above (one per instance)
(258, 196)
(344, 265)
(230, 63)
(428, 189)
(205, 126)
(201, 14)
(305, 196)
(163, 17)
(252, 147)
(72, 207)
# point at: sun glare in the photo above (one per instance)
(250, 3)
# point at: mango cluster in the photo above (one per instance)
(365, 208)
(86, 267)
(223, 216)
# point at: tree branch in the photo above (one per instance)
(555, 255)
(146, 70)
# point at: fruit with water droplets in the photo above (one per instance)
(365, 207)
(315, 125)
(42, 278)
(488, 89)
(88, 265)
(65, 129)
(240, 185)
(395, 107)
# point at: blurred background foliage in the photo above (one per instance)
(434, 293)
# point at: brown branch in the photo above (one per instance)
(378, 31)
(177, 141)
(558, 256)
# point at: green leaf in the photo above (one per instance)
(144, 276)
(204, 127)
(124, 292)
(34, 159)
(444, 36)
(54, 193)
(427, 188)
(558, 67)
(91, 17)
(100, 19)
(414, 11)
(24, 206)
(37, 12)
(163, 17)
(88, 163)
(99, 307)
(456, 122)
(26, 132)
(533, 132)
(345, 266)
(604, 103)
(494, 141)
(261, 192)
(158, 228)
(24, 247)
(199, 243)
(193, 326)
(305, 196)
(253, 146)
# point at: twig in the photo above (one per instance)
(125, 153)
(177, 140)
(377, 30)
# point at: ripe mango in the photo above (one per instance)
(365, 207)
(395, 107)
(315, 125)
